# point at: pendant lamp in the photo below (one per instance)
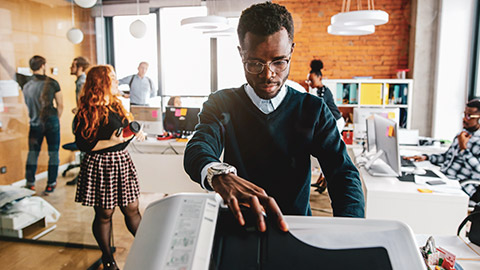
(74, 35)
(351, 30)
(86, 3)
(359, 22)
(220, 33)
(210, 22)
(138, 28)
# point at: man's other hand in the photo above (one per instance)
(237, 191)
(463, 139)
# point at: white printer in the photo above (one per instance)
(192, 231)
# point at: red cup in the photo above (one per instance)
(132, 128)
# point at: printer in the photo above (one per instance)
(194, 231)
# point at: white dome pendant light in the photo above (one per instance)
(86, 3)
(138, 28)
(74, 35)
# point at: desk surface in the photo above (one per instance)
(438, 213)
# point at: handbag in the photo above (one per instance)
(474, 233)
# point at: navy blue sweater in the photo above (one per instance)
(273, 150)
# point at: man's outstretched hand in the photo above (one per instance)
(237, 191)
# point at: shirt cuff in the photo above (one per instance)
(203, 174)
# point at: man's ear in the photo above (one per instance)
(240, 51)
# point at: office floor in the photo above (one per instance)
(74, 226)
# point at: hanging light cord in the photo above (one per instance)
(138, 7)
(346, 5)
(73, 16)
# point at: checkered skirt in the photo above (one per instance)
(107, 180)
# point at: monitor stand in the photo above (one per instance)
(377, 167)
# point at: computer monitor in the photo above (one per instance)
(387, 147)
(371, 143)
(150, 117)
(181, 121)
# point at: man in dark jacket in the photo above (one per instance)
(268, 131)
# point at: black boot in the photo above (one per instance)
(72, 182)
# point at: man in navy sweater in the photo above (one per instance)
(268, 131)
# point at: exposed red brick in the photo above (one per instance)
(378, 55)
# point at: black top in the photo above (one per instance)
(104, 133)
(325, 93)
(273, 150)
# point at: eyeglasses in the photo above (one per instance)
(257, 67)
(470, 116)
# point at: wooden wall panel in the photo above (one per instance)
(38, 27)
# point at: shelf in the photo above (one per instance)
(383, 96)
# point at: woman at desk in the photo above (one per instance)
(107, 175)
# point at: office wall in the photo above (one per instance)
(28, 28)
(377, 55)
(423, 63)
(456, 20)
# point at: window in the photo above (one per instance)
(230, 67)
(185, 54)
(130, 51)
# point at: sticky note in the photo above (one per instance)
(183, 111)
(391, 115)
(177, 112)
(390, 131)
(154, 114)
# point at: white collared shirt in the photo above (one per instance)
(265, 105)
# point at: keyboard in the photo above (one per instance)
(406, 162)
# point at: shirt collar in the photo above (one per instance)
(276, 101)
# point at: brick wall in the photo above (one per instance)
(378, 55)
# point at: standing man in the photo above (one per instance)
(141, 86)
(267, 132)
(40, 93)
(462, 159)
(78, 68)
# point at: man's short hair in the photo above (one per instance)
(143, 63)
(36, 62)
(264, 19)
(474, 103)
(82, 62)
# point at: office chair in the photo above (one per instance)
(71, 147)
(476, 195)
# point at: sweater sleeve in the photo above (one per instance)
(344, 185)
(207, 143)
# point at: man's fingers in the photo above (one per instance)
(256, 207)
(275, 212)
(235, 208)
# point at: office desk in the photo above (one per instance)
(426, 213)
(160, 166)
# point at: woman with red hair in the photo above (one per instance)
(107, 175)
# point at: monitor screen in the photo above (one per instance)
(371, 143)
(181, 120)
(387, 141)
(151, 118)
